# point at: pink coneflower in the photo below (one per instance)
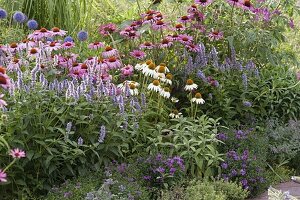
(39, 34)
(184, 19)
(33, 53)
(215, 35)
(165, 43)
(158, 25)
(68, 45)
(96, 45)
(234, 2)
(197, 15)
(107, 29)
(193, 48)
(14, 64)
(247, 5)
(179, 27)
(27, 44)
(127, 70)
(113, 63)
(193, 8)
(133, 35)
(17, 153)
(147, 45)
(149, 20)
(2, 102)
(56, 31)
(185, 39)
(13, 47)
(105, 77)
(138, 54)
(53, 46)
(3, 176)
(173, 37)
(158, 16)
(76, 72)
(110, 52)
(203, 2)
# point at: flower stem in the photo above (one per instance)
(10, 164)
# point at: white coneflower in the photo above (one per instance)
(140, 67)
(198, 98)
(150, 70)
(132, 87)
(162, 68)
(190, 85)
(175, 114)
(165, 92)
(174, 99)
(154, 86)
(168, 79)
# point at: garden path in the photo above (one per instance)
(293, 187)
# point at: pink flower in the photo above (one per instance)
(193, 48)
(109, 52)
(53, 46)
(203, 2)
(184, 19)
(56, 31)
(68, 45)
(138, 54)
(291, 23)
(179, 27)
(158, 25)
(4, 81)
(147, 45)
(39, 34)
(127, 70)
(17, 153)
(2, 102)
(215, 35)
(234, 2)
(96, 45)
(185, 39)
(247, 5)
(3, 176)
(107, 29)
(113, 63)
(165, 43)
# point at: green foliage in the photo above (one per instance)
(76, 188)
(37, 123)
(220, 190)
(193, 140)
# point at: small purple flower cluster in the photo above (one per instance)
(241, 163)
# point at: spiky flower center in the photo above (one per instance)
(178, 26)
(16, 60)
(148, 62)
(167, 89)
(84, 66)
(198, 95)
(203, 1)
(96, 43)
(13, 45)
(132, 86)
(25, 41)
(55, 29)
(160, 23)
(52, 44)
(185, 39)
(184, 17)
(169, 76)
(161, 69)
(165, 41)
(151, 66)
(108, 48)
(68, 44)
(247, 3)
(155, 82)
(147, 44)
(189, 82)
(112, 59)
(149, 17)
(3, 80)
(175, 112)
(2, 70)
(33, 51)
(75, 64)
(43, 30)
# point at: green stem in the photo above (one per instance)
(8, 166)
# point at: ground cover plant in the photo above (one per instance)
(149, 100)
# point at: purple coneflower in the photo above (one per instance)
(96, 45)
(110, 52)
(113, 63)
(184, 19)
(138, 54)
(2, 102)
(3, 176)
(193, 47)
(179, 27)
(107, 29)
(147, 45)
(57, 31)
(165, 43)
(17, 153)
(127, 70)
(247, 5)
(215, 35)
(185, 39)
(53, 46)
(68, 45)
(158, 25)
